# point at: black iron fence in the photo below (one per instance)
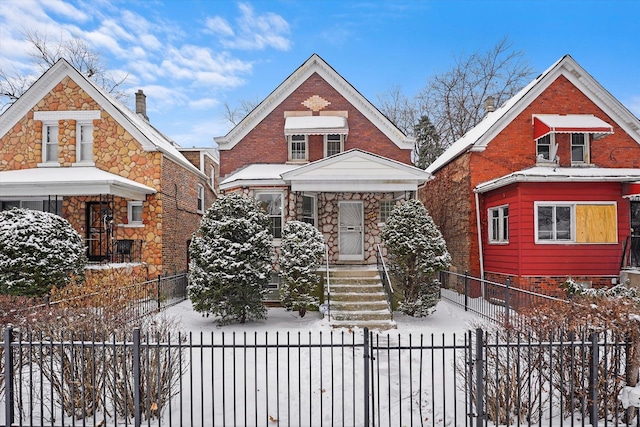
(315, 379)
(133, 301)
(500, 302)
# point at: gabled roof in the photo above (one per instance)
(149, 137)
(481, 135)
(314, 64)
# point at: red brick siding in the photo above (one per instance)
(266, 142)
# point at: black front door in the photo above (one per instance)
(99, 231)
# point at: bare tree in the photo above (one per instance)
(46, 51)
(234, 115)
(454, 100)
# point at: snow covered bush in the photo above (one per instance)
(417, 252)
(38, 250)
(301, 253)
(231, 260)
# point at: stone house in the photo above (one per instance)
(544, 187)
(316, 150)
(68, 147)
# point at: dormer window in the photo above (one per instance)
(579, 148)
(333, 144)
(298, 148)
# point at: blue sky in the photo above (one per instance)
(192, 56)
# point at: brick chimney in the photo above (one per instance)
(489, 105)
(141, 104)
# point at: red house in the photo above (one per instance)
(545, 188)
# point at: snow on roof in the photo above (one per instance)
(265, 173)
(558, 174)
(69, 181)
(315, 125)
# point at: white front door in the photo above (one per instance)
(351, 231)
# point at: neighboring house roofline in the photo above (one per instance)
(561, 174)
(315, 64)
(149, 137)
(481, 135)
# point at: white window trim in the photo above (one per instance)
(283, 208)
(130, 222)
(45, 161)
(315, 208)
(200, 199)
(587, 149)
(212, 178)
(553, 150)
(326, 144)
(573, 220)
(393, 203)
(79, 145)
(306, 149)
(501, 231)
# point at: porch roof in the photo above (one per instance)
(557, 174)
(69, 181)
(351, 171)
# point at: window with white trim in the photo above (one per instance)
(298, 147)
(200, 198)
(272, 205)
(309, 211)
(134, 213)
(84, 143)
(50, 143)
(554, 222)
(499, 224)
(333, 144)
(46, 205)
(386, 206)
(544, 148)
(579, 148)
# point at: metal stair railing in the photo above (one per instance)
(384, 278)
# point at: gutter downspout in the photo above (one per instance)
(479, 238)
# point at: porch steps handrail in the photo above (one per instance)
(384, 277)
(328, 280)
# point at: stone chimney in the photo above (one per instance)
(489, 105)
(141, 104)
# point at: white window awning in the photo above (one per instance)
(316, 125)
(544, 124)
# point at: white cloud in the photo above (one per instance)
(218, 25)
(203, 103)
(258, 32)
(67, 10)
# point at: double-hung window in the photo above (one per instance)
(84, 143)
(200, 206)
(50, 143)
(298, 148)
(499, 224)
(544, 148)
(386, 206)
(554, 222)
(333, 144)
(309, 210)
(579, 148)
(272, 205)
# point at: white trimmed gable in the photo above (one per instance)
(314, 64)
(484, 132)
(149, 137)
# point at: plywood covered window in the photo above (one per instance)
(596, 224)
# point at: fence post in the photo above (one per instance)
(506, 301)
(466, 290)
(158, 291)
(593, 379)
(479, 367)
(136, 378)
(366, 375)
(8, 376)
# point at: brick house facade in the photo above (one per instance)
(549, 174)
(316, 150)
(68, 147)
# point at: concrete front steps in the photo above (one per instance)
(358, 299)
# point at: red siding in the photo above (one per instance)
(523, 257)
